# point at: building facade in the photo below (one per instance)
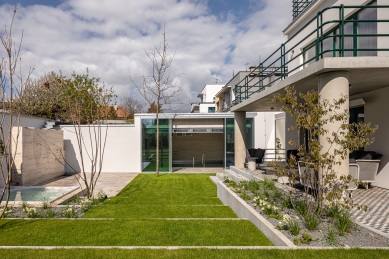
(337, 48)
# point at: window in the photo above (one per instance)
(211, 109)
(350, 42)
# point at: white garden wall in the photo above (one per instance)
(122, 151)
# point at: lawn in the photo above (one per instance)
(168, 196)
(142, 212)
(122, 232)
(193, 253)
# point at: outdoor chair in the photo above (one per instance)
(354, 172)
(255, 152)
(308, 176)
(368, 162)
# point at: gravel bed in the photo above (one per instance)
(58, 211)
(357, 237)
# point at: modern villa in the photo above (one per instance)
(338, 47)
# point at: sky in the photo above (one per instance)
(210, 39)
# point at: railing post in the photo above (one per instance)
(246, 87)
(321, 35)
(282, 62)
(342, 30)
(318, 35)
(260, 75)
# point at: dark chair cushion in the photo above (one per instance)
(260, 153)
(377, 156)
(252, 151)
(367, 155)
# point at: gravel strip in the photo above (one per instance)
(358, 237)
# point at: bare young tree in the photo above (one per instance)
(132, 106)
(11, 86)
(161, 89)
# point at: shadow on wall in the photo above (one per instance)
(71, 162)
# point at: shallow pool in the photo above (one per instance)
(38, 193)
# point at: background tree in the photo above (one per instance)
(132, 106)
(153, 108)
(161, 89)
(42, 97)
(11, 87)
(87, 105)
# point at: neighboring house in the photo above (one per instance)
(120, 112)
(225, 97)
(338, 47)
(207, 96)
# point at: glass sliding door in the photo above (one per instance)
(230, 141)
(149, 131)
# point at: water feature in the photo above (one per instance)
(39, 193)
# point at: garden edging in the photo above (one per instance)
(243, 210)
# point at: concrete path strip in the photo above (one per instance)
(191, 247)
(143, 219)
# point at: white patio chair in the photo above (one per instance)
(354, 172)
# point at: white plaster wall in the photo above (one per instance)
(204, 107)
(376, 112)
(264, 129)
(211, 91)
(122, 151)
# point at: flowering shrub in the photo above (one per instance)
(70, 212)
(31, 212)
(86, 204)
(269, 208)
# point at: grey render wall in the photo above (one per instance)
(25, 121)
(376, 112)
(39, 156)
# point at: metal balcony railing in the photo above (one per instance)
(299, 6)
(278, 66)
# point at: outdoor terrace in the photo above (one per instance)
(334, 36)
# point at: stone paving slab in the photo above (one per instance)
(110, 183)
(377, 200)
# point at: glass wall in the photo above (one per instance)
(229, 139)
(149, 129)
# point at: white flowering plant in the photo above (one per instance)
(268, 207)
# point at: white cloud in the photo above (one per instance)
(110, 37)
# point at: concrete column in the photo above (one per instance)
(240, 138)
(331, 85)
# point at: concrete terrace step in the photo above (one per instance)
(241, 175)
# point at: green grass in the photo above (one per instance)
(140, 211)
(168, 189)
(164, 211)
(130, 233)
(192, 253)
(167, 196)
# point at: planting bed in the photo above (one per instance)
(270, 203)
